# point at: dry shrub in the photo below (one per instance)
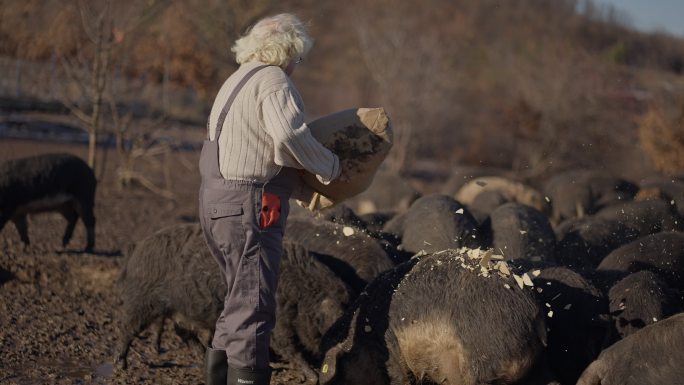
(661, 134)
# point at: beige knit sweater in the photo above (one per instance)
(265, 129)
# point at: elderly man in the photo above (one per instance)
(257, 141)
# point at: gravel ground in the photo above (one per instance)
(59, 308)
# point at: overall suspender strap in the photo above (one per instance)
(229, 102)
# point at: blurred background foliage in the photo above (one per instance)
(536, 86)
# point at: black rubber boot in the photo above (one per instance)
(215, 367)
(249, 376)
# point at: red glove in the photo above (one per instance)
(270, 210)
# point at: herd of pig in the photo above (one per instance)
(576, 280)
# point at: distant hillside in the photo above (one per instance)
(532, 85)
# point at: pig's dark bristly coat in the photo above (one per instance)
(50, 182)
(172, 275)
(653, 355)
(432, 319)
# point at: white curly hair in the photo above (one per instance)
(275, 40)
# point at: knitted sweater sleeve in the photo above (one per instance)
(292, 140)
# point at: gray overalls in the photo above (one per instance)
(231, 215)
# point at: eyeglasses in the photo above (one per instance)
(299, 60)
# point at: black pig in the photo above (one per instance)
(50, 182)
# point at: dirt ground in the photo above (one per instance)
(59, 308)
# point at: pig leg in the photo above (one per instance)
(160, 332)
(136, 319)
(71, 216)
(22, 227)
(85, 211)
(190, 338)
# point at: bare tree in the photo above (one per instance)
(106, 24)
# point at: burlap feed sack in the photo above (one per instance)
(362, 138)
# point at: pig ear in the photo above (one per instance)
(333, 355)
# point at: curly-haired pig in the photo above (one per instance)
(52, 182)
(438, 222)
(640, 299)
(171, 274)
(645, 217)
(439, 318)
(652, 355)
(353, 254)
(577, 193)
(518, 231)
(579, 326)
(662, 253)
(584, 242)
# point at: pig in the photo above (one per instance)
(662, 253)
(343, 215)
(669, 189)
(641, 299)
(580, 325)
(511, 190)
(436, 222)
(452, 325)
(652, 355)
(584, 242)
(460, 175)
(354, 351)
(485, 203)
(519, 231)
(395, 225)
(350, 252)
(172, 274)
(577, 193)
(375, 221)
(436, 318)
(644, 217)
(52, 182)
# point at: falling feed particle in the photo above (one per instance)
(526, 280)
(550, 313)
(367, 329)
(347, 231)
(503, 267)
(655, 319)
(567, 307)
(523, 232)
(459, 211)
(519, 280)
(547, 199)
(536, 273)
(507, 286)
(484, 262)
(548, 305)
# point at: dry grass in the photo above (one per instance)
(661, 134)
